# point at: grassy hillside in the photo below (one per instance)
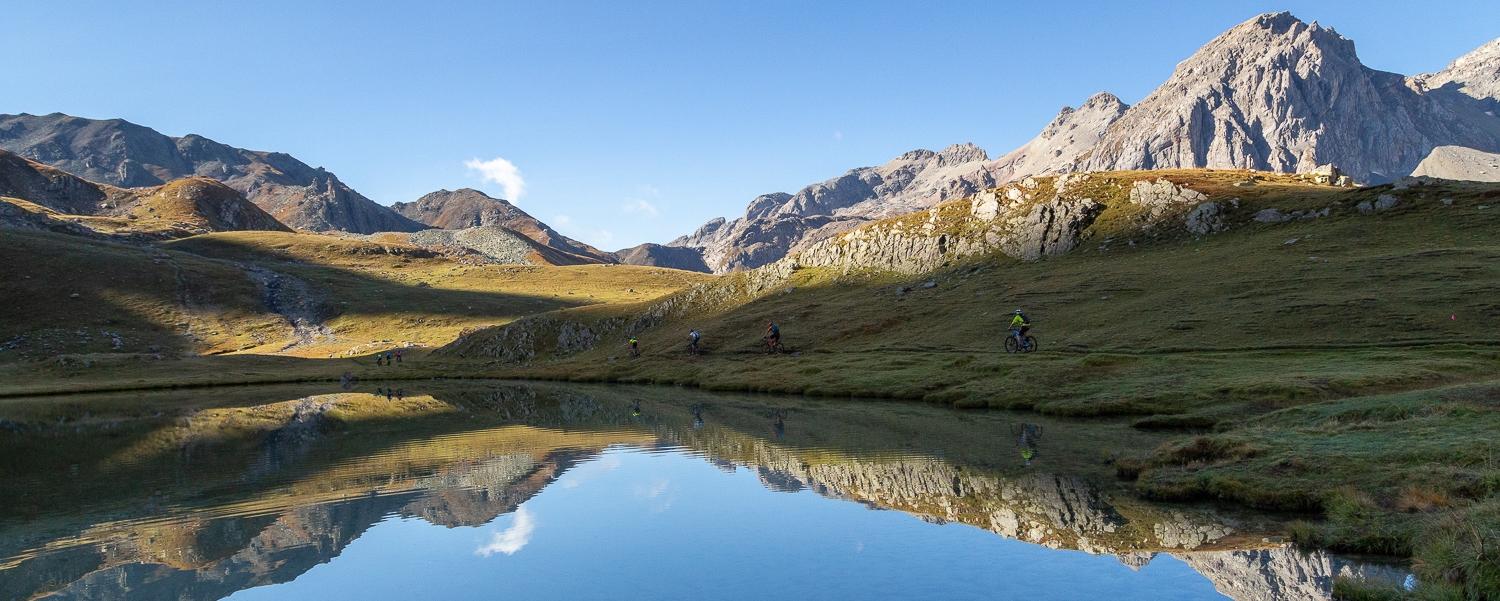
(97, 314)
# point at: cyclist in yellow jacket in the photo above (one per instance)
(1019, 325)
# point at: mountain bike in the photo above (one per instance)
(1017, 344)
(773, 346)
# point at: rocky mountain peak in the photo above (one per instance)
(1275, 93)
(958, 154)
(1476, 74)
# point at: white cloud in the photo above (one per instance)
(602, 237)
(512, 539)
(502, 172)
(637, 205)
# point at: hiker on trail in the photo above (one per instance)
(387, 394)
(693, 338)
(400, 394)
(398, 355)
(635, 347)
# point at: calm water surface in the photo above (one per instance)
(530, 491)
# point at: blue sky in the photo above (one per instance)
(634, 122)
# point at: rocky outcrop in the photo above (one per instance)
(1028, 220)
(776, 224)
(495, 243)
(121, 153)
(1275, 93)
(468, 208)
(1459, 163)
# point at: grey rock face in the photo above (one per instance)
(1071, 134)
(1205, 218)
(1278, 94)
(1476, 74)
(1459, 163)
(121, 153)
(1161, 197)
(777, 224)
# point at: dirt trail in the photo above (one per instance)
(293, 300)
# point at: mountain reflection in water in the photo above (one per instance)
(210, 493)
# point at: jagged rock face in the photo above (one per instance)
(775, 224)
(1278, 94)
(1024, 220)
(1072, 133)
(121, 153)
(1459, 163)
(468, 208)
(656, 255)
(1476, 74)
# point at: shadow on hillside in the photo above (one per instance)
(74, 295)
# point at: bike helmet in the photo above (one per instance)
(1018, 311)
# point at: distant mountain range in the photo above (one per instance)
(1273, 93)
(121, 153)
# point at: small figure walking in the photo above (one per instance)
(635, 347)
(380, 358)
(398, 356)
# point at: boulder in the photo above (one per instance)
(1206, 218)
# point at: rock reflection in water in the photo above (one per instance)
(318, 483)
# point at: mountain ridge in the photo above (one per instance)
(1272, 93)
(122, 153)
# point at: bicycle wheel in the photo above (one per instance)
(1011, 345)
(1030, 344)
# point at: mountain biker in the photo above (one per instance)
(1019, 325)
(773, 334)
(693, 338)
